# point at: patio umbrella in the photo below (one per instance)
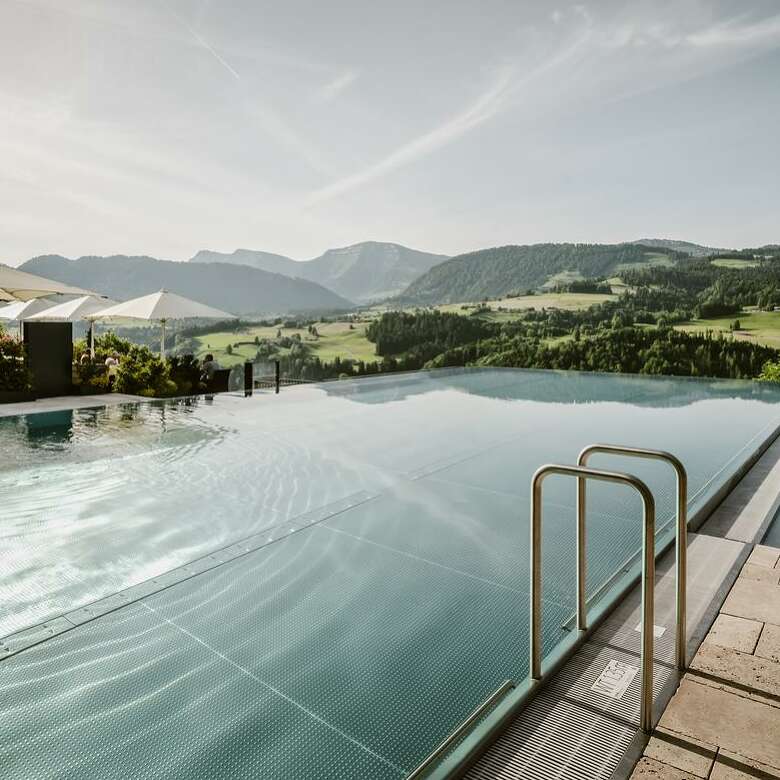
(16, 285)
(24, 310)
(161, 307)
(74, 311)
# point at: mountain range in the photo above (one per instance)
(238, 289)
(365, 272)
(250, 281)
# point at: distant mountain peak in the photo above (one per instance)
(363, 272)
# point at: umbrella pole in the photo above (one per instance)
(162, 340)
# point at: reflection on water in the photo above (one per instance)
(50, 428)
(95, 500)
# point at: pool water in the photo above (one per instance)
(381, 592)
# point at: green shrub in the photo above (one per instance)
(770, 372)
(141, 372)
(14, 374)
(93, 375)
(185, 371)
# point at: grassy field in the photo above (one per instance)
(652, 258)
(735, 262)
(566, 301)
(335, 340)
(562, 278)
(758, 327)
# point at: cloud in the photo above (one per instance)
(485, 107)
(734, 33)
(334, 88)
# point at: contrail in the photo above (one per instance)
(205, 44)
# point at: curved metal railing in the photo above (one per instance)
(648, 572)
(681, 542)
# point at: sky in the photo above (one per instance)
(162, 127)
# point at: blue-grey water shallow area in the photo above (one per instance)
(349, 648)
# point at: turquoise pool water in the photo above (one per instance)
(375, 585)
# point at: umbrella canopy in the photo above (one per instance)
(16, 285)
(24, 310)
(161, 307)
(72, 311)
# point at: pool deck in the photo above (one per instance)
(724, 720)
(724, 716)
(60, 403)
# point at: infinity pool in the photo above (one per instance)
(319, 584)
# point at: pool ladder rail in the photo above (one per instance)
(583, 473)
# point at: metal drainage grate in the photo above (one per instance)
(555, 738)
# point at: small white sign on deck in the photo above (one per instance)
(615, 679)
(658, 631)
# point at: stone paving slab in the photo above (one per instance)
(769, 644)
(759, 677)
(766, 557)
(733, 722)
(723, 723)
(650, 769)
(686, 754)
(735, 632)
(754, 600)
(730, 766)
(753, 571)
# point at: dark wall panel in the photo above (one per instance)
(50, 356)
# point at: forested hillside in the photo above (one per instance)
(491, 273)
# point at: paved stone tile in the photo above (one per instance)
(735, 632)
(721, 718)
(754, 600)
(752, 571)
(649, 769)
(744, 670)
(683, 753)
(769, 644)
(764, 556)
(730, 766)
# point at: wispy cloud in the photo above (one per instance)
(502, 89)
(486, 106)
(334, 88)
(271, 120)
(736, 33)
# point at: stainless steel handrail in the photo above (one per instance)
(681, 544)
(648, 573)
(444, 746)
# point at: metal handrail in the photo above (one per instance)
(648, 573)
(681, 544)
(444, 746)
